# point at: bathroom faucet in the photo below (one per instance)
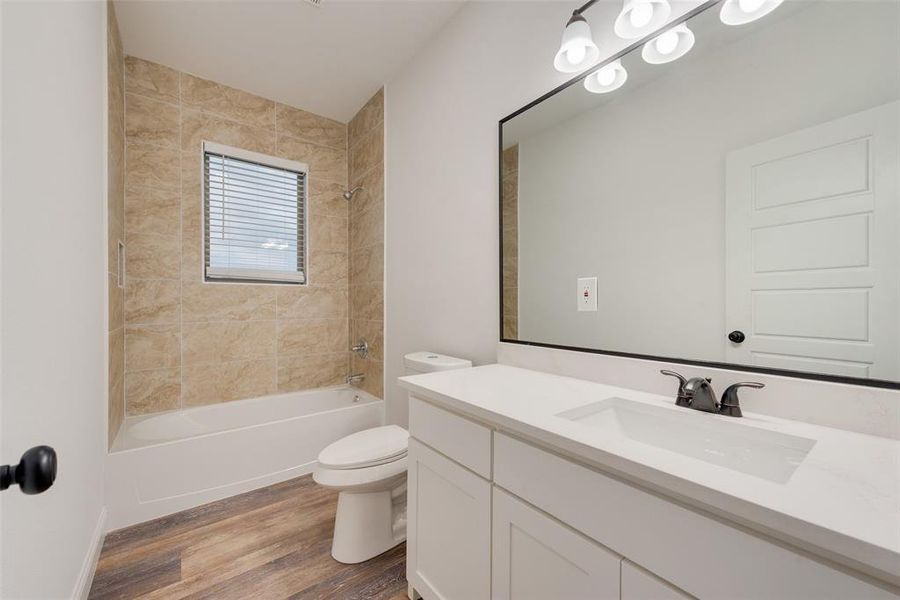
(355, 378)
(697, 393)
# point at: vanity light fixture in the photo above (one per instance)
(670, 45)
(577, 51)
(606, 79)
(741, 12)
(641, 17)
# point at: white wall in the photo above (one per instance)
(53, 310)
(634, 191)
(441, 155)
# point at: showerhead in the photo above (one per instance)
(348, 195)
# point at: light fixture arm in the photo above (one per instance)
(584, 7)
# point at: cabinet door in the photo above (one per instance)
(637, 584)
(536, 557)
(449, 529)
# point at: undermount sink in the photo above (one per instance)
(767, 454)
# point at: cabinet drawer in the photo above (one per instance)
(536, 557)
(701, 555)
(465, 441)
(449, 537)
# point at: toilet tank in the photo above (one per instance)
(429, 362)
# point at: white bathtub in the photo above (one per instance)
(163, 463)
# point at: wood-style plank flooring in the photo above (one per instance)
(274, 542)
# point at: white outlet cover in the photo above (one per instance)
(587, 294)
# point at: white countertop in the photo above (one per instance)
(842, 502)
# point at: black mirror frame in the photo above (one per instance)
(875, 383)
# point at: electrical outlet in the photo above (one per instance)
(587, 294)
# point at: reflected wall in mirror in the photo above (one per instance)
(739, 205)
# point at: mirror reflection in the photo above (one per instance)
(736, 205)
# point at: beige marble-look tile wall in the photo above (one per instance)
(190, 343)
(115, 188)
(510, 213)
(366, 143)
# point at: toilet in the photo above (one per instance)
(368, 468)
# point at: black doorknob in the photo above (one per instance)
(34, 474)
(737, 336)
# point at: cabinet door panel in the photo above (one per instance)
(449, 530)
(637, 584)
(536, 557)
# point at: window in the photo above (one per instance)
(254, 210)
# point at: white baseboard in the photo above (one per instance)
(86, 577)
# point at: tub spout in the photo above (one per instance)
(355, 378)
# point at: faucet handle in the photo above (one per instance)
(682, 399)
(730, 404)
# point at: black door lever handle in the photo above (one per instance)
(35, 472)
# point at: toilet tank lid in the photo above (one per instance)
(366, 448)
(425, 362)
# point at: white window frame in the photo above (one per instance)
(225, 275)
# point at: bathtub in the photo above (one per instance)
(167, 462)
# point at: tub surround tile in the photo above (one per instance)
(152, 210)
(186, 342)
(152, 391)
(366, 277)
(367, 152)
(152, 166)
(326, 164)
(328, 234)
(312, 302)
(151, 121)
(151, 79)
(116, 317)
(152, 346)
(152, 301)
(198, 126)
(373, 375)
(329, 268)
(227, 302)
(371, 115)
(227, 341)
(116, 382)
(367, 302)
(367, 264)
(311, 127)
(367, 228)
(306, 372)
(211, 383)
(153, 257)
(372, 332)
(326, 199)
(115, 208)
(371, 195)
(229, 102)
(312, 336)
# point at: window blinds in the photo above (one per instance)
(254, 216)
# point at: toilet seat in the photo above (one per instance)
(364, 449)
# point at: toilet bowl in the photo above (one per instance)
(368, 468)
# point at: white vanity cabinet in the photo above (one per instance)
(537, 558)
(493, 516)
(448, 547)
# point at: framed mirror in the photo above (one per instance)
(737, 207)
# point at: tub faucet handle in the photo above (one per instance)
(361, 348)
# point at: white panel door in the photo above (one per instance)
(538, 558)
(812, 250)
(448, 548)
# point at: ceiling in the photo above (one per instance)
(328, 59)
